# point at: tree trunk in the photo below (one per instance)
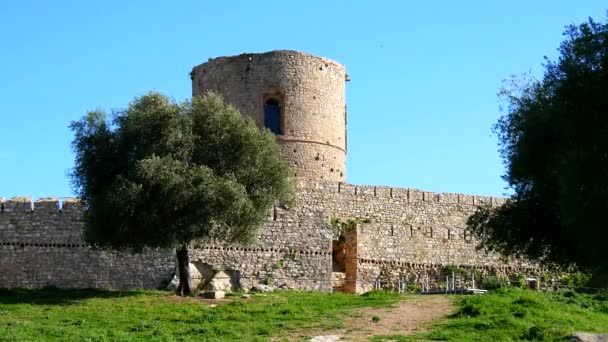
(183, 266)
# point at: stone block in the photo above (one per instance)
(428, 196)
(449, 198)
(18, 204)
(72, 205)
(213, 294)
(347, 189)
(400, 193)
(383, 192)
(365, 190)
(465, 199)
(47, 205)
(415, 195)
(219, 282)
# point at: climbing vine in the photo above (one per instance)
(340, 227)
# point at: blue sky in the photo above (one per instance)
(421, 102)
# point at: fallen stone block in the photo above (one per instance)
(213, 294)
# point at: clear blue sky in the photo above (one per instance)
(421, 102)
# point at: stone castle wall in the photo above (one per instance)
(411, 233)
(312, 94)
(41, 245)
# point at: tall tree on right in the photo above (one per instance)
(554, 142)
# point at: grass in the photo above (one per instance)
(93, 315)
(516, 315)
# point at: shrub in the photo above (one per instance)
(493, 282)
(469, 310)
(577, 279)
(521, 281)
(414, 288)
(542, 332)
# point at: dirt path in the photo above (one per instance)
(410, 316)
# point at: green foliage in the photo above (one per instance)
(545, 332)
(89, 315)
(448, 270)
(341, 227)
(414, 288)
(553, 142)
(521, 281)
(577, 279)
(492, 282)
(513, 314)
(161, 173)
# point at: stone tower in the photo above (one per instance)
(299, 97)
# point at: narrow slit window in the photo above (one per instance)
(272, 116)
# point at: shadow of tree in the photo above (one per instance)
(54, 295)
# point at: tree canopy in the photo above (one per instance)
(160, 174)
(554, 142)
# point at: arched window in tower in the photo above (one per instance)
(272, 116)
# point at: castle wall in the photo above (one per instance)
(293, 250)
(312, 93)
(411, 234)
(41, 245)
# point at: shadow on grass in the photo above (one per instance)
(53, 295)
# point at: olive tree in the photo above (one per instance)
(554, 142)
(160, 174)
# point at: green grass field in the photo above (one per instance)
(519, 315)
(90, 315)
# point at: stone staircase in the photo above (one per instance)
(337, 281)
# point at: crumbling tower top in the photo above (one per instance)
(299, 97)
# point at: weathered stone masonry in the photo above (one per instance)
(311, 91)
(41, 245)
(411, 233)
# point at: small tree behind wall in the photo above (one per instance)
(161, 174)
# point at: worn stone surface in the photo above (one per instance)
(219, 282)
(411, 234)
(41, 245)
(311, 91)
(262, 288)
(588, 337)
(213, 294)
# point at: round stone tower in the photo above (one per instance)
(299, 97)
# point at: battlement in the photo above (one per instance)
(403, 194)
(22, 204)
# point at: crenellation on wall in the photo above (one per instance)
(466, 199)
(294, 248)
(384, 192)
(415, 195)
(482, 200)
(72, 205)
(17, 204)
(47, 204)
(400, 193)
(348, 189)
(365, 190)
